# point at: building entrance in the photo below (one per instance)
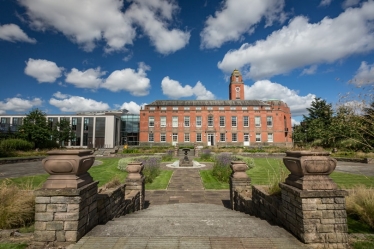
(210, 139)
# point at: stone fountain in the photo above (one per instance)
(185, 161)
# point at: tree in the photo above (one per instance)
(35, 128)
(62, 132)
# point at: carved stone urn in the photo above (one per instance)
(68, 168)
(135, 170)
(239, 168)
(310, 170)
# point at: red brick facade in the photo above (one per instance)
(234, 122)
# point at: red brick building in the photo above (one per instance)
(233, 122)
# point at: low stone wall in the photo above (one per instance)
(112, 203)
(355, 160)
(266, 206)
(21, 160)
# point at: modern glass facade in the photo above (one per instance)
(130, 129)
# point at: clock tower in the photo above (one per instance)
(236, 88)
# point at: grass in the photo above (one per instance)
(13, 246)
(210, 182)
(161, 181)
(347, 180)
(368, 243)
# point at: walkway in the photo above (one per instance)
(187, 216)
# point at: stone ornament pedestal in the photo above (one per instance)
(68, 168)
(238, 169)
(310, 170)
(135, 180)
(239, 180)
(135, 170)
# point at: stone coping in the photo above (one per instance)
(313, 193)
(64, 191)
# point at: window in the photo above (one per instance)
(3, 120)
(209, 108)
(269, 121)
(175, 108)
(175, 137)
(163, 121)
(175, 121)
(186, 137)
(232, 108)
(152, 108)
(151, 121)
(258, 137)
(258, 121)
(234, 137)
(74, 124)
(270, 137)
(210, 121)
(233, 121)
(222, 137)
(245, 121)
(163, 137)
(198, 121)
(267, 108)
(221, 108)
(186, 108)
(222, 121)
(50, 123)
(163, 108)
(187, 121)
(198, 137)
(256, 108)
(86, 122)
(246, 137)
(198, 108)
(244, 108)
(150, 137)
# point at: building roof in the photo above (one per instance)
(208, 103)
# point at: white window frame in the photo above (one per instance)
(210, 121)
(222, 121)
(221, 108)
(222, 137)
(163, 137)
(258, 137)
(270, 137)
(151, 137)
(186, 108)
(256, 108)
(175, 108)
(175, 121)
(233, 108)
(258, 121)
(163, 121)
(209, 108)
(187, 121)
(151, 121)
(245, 121)
(163, 108)
(198, 137)
(244, 108)
(186, 137)
(152, 108)
(198, 108)
(234, 121)
(198, 121)
(269, 121)
(234, 137)
(246, 137)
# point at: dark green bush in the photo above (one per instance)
(49, 144)
(221, 167)
(130, 151)
(15, 144)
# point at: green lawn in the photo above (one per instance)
(12, 246)
(161, 181)
(210, 182)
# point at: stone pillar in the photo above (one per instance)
(197, 151)
(239, 180)
(136, 181)
(176, 150)
(66, 207)
(313, 206)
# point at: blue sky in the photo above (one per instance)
(71, 56)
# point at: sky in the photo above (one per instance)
(71, 56)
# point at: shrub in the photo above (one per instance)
(17, 205)
(168, 156)
(276, 178)
(248, 160)
(205, 155)
(151, 166)
(360, 203)
(16, 144)
(130, 151)
(122, 163)
(49, 144)
(221, 167)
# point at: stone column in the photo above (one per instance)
(66, 207)
(239, 180)
(176, 150)
(197, 151)
(314, 208)
(136, 181)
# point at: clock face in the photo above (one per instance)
(237, 89)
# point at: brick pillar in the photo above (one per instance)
(239, 180)
(65, 215)
(136, 181)
(316, 217)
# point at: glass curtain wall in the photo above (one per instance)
(130, 129)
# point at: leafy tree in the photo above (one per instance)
(62, 132)
(35, 128)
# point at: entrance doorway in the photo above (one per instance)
(210, 139)
(246, 139)
(175, 139)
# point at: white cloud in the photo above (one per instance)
(154, 17)
(129, 80)
(325, 3)
(87, 22)
(266, 90)
(132, 107)
(85, 79)
(294, 122)
(17, 104)
(43, 70)
(174, 90)
(364, 75)
(311, 70)
(350, 3)
(13, 33)
(238, 17)
(302, 44)
(68, 103)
